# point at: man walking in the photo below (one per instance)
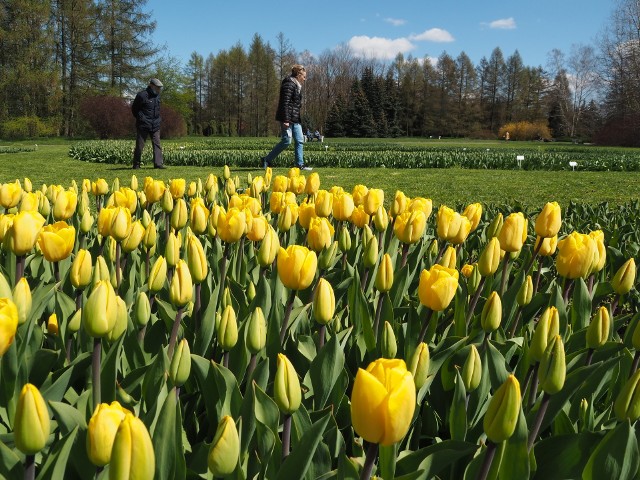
(146, 109)
(288, 114)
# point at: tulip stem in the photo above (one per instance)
(141, 334)
(634, 365)
(251, 367)
(503, 282)
(56, 271)
(30, 467)
(533, 256)
(474, 301)
(174, 333)
(321, 334)
(567, 288)
(287, 314)
(587, 361)
(425, 325)
(223, 271)
(197, 306)
(147, 263)
(376, 323)
(95, 365)
(443, 247)
(527, 379)
(225, 358)
(614, 305)
(372, 454)
(286, 436)
(20, 261)
(538, 422)
(405, 253)
(488, 460)
(118, 272)
(533, 391)
(536, 285)
(514, 327)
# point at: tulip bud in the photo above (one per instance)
(122, 319)
(502, 414)
(132, 456)
(472, 370)
(228, 329)
(167, 202)
(549, 220)
(150, 235)
(226, 298)
(370, 253)
(74, 323)
(99, 314)
(141, 309)
(344, 240)
(225, 449)
(327, 256)
(198, 265)
(525, 293)
(268, 247)
(324, 302)
(495, 226)
(256, 331)
(158, 275)
(181, 288)
(286, 386)
(296, 266)
(86, 222)
(180, 367)
(553, 367)
(491, 316)
(80, 272)
(547, 328)
(490, 258)
(627, 403)
(381, 219)
(437, 287)
(22, 299)
(625, 278)
(598, 330)
(52, 324)
(388, 346)
(226, 172)
(31, 424)
(473, 282)
(448, 258)
(384, 275)
(101, 432)
(172, 250)
(419, 366)
(179, 214)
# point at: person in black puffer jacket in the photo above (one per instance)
(288, 114)
(146, 110)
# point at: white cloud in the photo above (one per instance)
(503, 24)
(396, 22)
(378, 47)
(434, 35)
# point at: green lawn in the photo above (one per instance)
(51, 164)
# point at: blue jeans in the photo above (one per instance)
(294, 130)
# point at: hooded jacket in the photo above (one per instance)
(289, 102)
(146, 109)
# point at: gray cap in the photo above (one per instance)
(156, 82)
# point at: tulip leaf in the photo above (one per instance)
(297, 463)
(229, 397)
(496, 365)
(109, 370)
(581, 305)
(387, 460)
(205, 333)
(509, 303)
(155, 380)
(458, 412)
(55, 465)
(167, 440)
(10, 464)
(564, 456)
(61, 379)
(360, 315)
(616, 456)
(435, 458)
(265, 409)
(516, 452)
(68, 417)
(346, 469)
(325, 370)
(41, 364)
(202, 369)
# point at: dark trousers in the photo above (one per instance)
(141, 138)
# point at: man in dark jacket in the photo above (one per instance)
(288, 114)
(146, 109)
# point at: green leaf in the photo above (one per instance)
(435, 458)
(616, 456)
(296, 464)
(56, 464)
(229, 397)
(360, 315)
(68, 417)
(564, 456)
(167, 440)
(109, 371)
(10, 463)
(581, 305)
(387, 460)
(515, 462)
(325, 370)
(458, 412)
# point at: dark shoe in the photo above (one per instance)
(265, 164)
(136, 167)
(306, 168)
(162, 167)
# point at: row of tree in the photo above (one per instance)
(55, 54)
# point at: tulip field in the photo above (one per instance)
(280, 327)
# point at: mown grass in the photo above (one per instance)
(51, 164)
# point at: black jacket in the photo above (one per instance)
(289, 102)
(146, 109)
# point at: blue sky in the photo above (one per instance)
(413, 27)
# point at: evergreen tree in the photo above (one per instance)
(336, 119)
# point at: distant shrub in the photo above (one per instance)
(173, 124)
(525, 131)
(109, 117)
(28, 127)
(620, 131)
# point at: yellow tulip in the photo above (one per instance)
(547, 328)
(324, 302)
(134, 238)
(384, 275)
(576, 254)
(419, 366)
(323, 203)
(296, 266)
(132, 456)
(23, 233)
(32, 424)
(100, 312)
(8, 323)
(257, 228)
(320, 234)
(625, 278)
(359, 217)
(491, 316)
(86, 222)
(256, 331)
(172, 249)
(225, 449)
(22, 299)
(127, 198)
(599, 327)
(306, 211)
(313, 184)
(489, 258)
(29, 201)
(280, 184)
(198, 216)
(10, 194)
(153, 189)
(269, 247)
(104, 220)
(177, 187)
(399, 204)
(181, 288)
(437, 287)
(180, 367)
(101, 432)
(474, 213)
(297, 184)
(502, 414)
(343, 206)
(120, 223)
(358, 193)
(373, 199)
(552, 371)
(286, 386)
(99, 187)
(549, 220)
(287, 217)
(179, 215)
(383, 401)
(6, 220)
(150, 235)
(52, 324)
(513, 232)
(546, 246)
(449, 257)
(231, 225)
(421, 203)
(65, 205)
(158, 274)
(452, 226)
(601, 256)
(197, 259)
(56, 241)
